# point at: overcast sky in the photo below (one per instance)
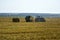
(29, 6)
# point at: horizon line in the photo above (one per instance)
(42, 13)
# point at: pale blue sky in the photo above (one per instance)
(29, 6)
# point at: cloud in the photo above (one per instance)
(30, 6)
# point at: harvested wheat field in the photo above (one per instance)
(49, 30)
